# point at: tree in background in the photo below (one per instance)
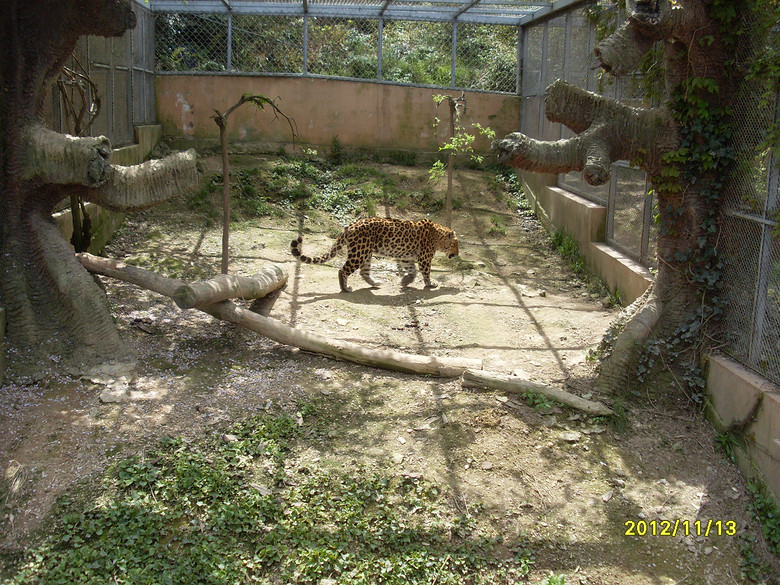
(692, 148)
(57, 314)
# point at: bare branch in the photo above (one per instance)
(607, 131)
(147, 184)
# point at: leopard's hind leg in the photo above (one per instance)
(409, 271)
(365, 272)
(354, 261)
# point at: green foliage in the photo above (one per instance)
(567, 247)
(767, 513)
(299, 184)
(538, 401)
(336, 151)
(496, 226)
(727, 442)
(237, 507)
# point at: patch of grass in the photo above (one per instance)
(727, 442)
(237, 506)
(496, 226)
(538, 401)
(767, 513)
(563, 243)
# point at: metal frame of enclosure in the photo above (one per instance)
(455, 13)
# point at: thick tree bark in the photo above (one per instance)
(278, 331)
(57, 315)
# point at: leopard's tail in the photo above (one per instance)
(295, 248)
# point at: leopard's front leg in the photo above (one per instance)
(425, 268)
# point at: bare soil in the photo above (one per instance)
(566, 483)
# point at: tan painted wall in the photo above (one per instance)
(362, 114)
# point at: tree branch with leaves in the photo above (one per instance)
(221, 119)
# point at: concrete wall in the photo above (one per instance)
(586, 222)
(364, 115)
(741, 399)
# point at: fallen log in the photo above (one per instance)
(515, 385)
(278, 331)
(230, 286)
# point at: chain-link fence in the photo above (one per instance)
(750, 234)
(441, 54)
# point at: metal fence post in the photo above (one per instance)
(519, 70)
(305, 44)
(379, 49)
(765, 255)
(454, 52)
(229, 64)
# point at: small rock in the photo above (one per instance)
(571, 437)
(401, 440)
(229, 438)
(487, 466)
(608, 496)
(264, 490)
(342, 322)
(115, 393)
(708, 550)
(606, 302)
(398, 458)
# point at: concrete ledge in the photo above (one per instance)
(734, 393)
(586, 222)
(620, 272)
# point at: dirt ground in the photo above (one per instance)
(567, 483)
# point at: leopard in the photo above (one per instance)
(406, 240)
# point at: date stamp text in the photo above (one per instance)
(673, 528)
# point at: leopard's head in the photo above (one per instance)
(449, 243)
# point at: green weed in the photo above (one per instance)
(238, 507)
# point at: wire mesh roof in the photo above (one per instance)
(508, 12)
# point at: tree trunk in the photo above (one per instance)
(228, 286)
(680, 146)
(57, 315)
(515, 385)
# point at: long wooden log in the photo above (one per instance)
(515, 385)
(273, 329)
(230, 286)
